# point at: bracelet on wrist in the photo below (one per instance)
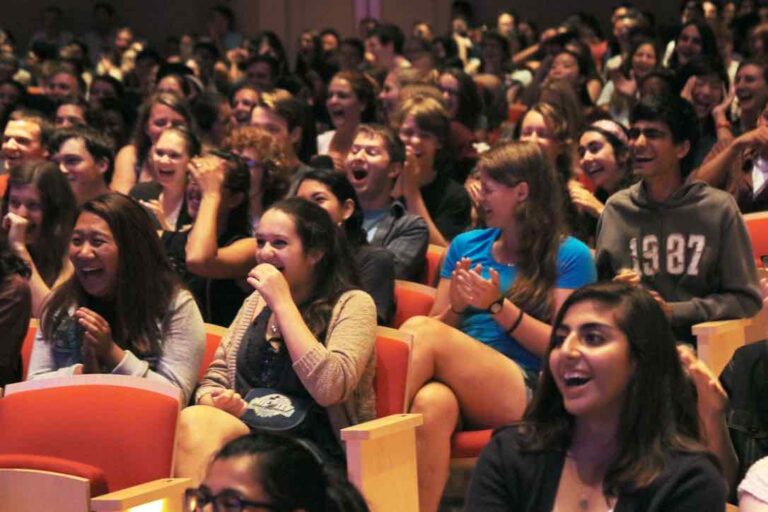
(516, 323)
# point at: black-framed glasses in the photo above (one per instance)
(197, 499)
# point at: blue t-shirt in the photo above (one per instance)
(575, 268)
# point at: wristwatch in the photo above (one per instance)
(496, 305)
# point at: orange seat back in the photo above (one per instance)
(127, 432)
(434, 260)
(26, 348)
(213, 336)
(411, 299)
(393, 356)
(757, 226)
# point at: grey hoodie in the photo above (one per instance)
(693, 250)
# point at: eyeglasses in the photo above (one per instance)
(648, 133)
(197, 499)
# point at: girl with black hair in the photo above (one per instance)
(613, 424)
(333, 192)
(273, 472)
(302, 344)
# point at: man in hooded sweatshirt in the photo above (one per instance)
(685, 242)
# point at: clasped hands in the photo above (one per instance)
(98, 348)
(470, 288)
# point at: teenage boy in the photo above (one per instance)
(373, 164)
(685, 242)
(86, 157)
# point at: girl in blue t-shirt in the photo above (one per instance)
(478, 354)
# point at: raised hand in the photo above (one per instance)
(270, 283)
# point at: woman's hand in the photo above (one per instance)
(411, 175)
(479, 292)
(584, 200)
(458, 302)
(270, 283)
(16, 226)
(687, 92)
(720, 111)
(98, 337)
(627, 275)
(626, 87)
(209, 172)
(229, 401)
(712, 398)
(156, 209)
(753, 139)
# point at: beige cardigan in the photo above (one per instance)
(338, 374)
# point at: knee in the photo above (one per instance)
(438, 405)
(200, 425)
(424, 330)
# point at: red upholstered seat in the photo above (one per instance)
(411, 299)
(468, 444)
(393, 354)
(757, 226)
(434, 257)
(213, 336)
(127, 432)
(96, 477)
(26, 348)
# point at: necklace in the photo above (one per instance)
(586, 491)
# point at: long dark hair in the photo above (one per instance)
(537, 248)
(59, 209)
(146, 284)
(333, 273)
(340, 187)
(469, 100)
(658, 414)
(708, 41)
(293, 474)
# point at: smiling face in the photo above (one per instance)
(21, 142)
(232, 479)
(68, 115)
(688, 45)
(419, 143)
(321, 195)
(95, 256)
(390, 94)
(653, 151)
(598, 161)
(707, 93)
(535, 129)
(565, 67)
(343, 104)
(25, 201)
(368, 168)
(278, 244)
(499, 201)
(170, 85)
(78, 165)
(170, 158)
(751, 87)
(591, 362)
(450, 88)
(643, 60)
(271, 122)
(242, 105)
(160, 118)
(62, 85)
(101, 90)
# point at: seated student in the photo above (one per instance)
(373, 165)
(604, 159)
(499, 289)
(15, 311)
(332, 191)
(269, 164)
(71, 111)
(123, 310)
(427, 188)
(613, 424)
(86, 158)
(286, 118)
(304, 339)
(165, 197)
(273, 472)
(215, 255)
(133, 162)
(25, 138)
(38, 214)
(242, 99)
(684, 241)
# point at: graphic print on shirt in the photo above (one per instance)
(682, 254)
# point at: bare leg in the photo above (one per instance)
(489, 386)
(437, 403)
(203, 430)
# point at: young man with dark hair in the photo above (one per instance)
(685, 242)
(86, 158)
(385, 44)
(373, 165)
(25, 138)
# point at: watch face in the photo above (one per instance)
(495, 307)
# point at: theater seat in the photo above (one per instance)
(757, 226)
(213, 336)
(411, 299)
(434, 261)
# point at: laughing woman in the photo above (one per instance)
(123, 310)
(304, 339)
(613, 425)
(478, 356)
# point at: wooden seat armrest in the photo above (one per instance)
(171, 489)
(719, 327)
(381, 427)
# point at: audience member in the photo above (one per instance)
(15, 311)
(86, 158)
(122, 311)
